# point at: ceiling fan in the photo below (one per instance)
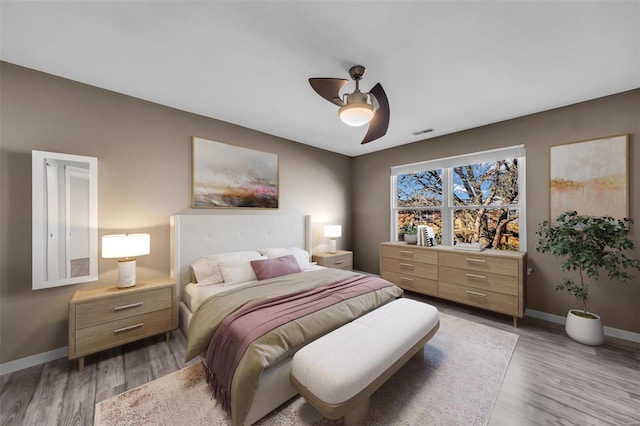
(357, 108)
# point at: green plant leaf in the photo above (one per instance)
(589, 245)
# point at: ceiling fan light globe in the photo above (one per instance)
(356, 114)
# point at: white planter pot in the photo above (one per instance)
(411, 239)
(585, 330)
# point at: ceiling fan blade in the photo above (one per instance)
(380, 122)
(329, 88)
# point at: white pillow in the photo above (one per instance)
(206, 269)
(215, 279)
(235, 272)
(302, 256)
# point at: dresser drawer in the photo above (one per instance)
(506, 284)
(103, 336)
(117, 307)
(407, 267)
(497, 302)
(478, 262)
(412, 283)
(406, 252)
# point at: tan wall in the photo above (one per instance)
(618, 304)
(144, 176)
(144, 155)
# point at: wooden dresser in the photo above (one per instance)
(102, 318)
(490, 279)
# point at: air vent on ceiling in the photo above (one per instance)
(422, 132)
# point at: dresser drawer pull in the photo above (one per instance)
(475, 293)
(479, 277)
(407, 265)
(406, 253)
(469, 259)
(338, 262)
(406, 279)
(131, 327)
(133, 305)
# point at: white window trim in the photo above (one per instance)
(447, 164)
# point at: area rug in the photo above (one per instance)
(456, 383)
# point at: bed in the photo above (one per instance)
(261, 382)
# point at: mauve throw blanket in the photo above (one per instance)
(241, 328)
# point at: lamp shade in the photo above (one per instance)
(332, 231)
(125, 245)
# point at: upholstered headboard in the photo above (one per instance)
(194, 236)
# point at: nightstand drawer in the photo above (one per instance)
(408, 267)
(115, 333)
(339, 260)
(121, 306)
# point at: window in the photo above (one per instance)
(471, 198)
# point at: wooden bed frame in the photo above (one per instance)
(197, 235)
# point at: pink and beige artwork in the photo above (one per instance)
(590, 177)
(232, 176)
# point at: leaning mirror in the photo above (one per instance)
(64, 219)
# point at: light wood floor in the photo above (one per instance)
(551, 379)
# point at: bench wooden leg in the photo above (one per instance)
(357, 415)
(419, 353)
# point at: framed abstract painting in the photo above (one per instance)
(227, 176)
(590, 177)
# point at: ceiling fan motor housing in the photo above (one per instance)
(357, 98)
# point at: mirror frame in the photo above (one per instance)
(38, 220)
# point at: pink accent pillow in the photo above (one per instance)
(276, 267)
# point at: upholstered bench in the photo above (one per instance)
(338, 373)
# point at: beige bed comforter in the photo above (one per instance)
(282, 342)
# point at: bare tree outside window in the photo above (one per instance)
(483, 205)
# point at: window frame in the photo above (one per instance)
(447, 209)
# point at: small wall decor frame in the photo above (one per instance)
(228, 176)
(590, 177)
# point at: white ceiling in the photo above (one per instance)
(444, 65)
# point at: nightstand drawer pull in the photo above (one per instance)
(338, 262)
(480, 277)
(132, 305)
(475, 293)
(406, 279)
(407, 265)
(406, 253)
(469, 259)
(131, 327)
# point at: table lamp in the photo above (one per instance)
(124, 247)
(332, 232)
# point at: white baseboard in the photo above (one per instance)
(608, 331)
(30, 361)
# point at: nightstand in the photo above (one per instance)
(106, 317)
(341, 259)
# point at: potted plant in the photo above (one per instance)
(589, 245)
(410, 233)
